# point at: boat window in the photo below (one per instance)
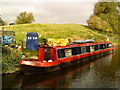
(109, 45)
(92, 48)
(47, 54)
(47, 49)
(76, 51)
(88, 48)
(83, 49)
(96, 47)
(68, 52)
(101, 46)
(61, 53)
(79, 50)
(104, 46)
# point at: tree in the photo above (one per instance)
(25, 17)
(108, 12)
(2, 22)
(97, 23)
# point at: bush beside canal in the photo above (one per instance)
(10, 60)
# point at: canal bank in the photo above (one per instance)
(102, 72)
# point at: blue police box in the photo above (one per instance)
(32, 41)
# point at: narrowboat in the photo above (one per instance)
(52, 58)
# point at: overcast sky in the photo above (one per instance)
(49, 11)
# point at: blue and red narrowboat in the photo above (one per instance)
(51, 58)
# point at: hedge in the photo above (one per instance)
(10, 59)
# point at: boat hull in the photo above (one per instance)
(27, 69)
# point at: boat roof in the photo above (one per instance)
(74, 45)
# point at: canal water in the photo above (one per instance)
(99, 72)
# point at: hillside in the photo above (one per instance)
(73, 31)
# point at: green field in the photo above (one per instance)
(72, 31)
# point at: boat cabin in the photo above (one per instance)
(53, 53)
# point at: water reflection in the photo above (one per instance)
(100, 72)
(11, 80)
(99, 76)
(62, 78)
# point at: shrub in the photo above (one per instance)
(10, 59)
